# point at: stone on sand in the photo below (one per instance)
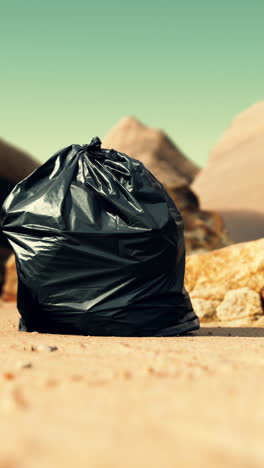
(231, 280)
(243, 304)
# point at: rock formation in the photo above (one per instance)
(204, 230)
(15, 164)
(232, 181)
(227, 285)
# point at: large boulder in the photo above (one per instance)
(232, 181)
(227, 285)
(15, 164)
(242, 305)
(204, 230)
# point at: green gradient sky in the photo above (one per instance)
(71, 69)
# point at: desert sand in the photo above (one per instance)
(131, 402)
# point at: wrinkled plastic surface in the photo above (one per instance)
(99, 246)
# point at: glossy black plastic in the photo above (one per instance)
(99, 246)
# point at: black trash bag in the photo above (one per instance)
(99, 248)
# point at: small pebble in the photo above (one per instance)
(127, 374)
(50, 383)
(42, 347)
(19, 399)
(28, 365)
(9, 375)
(76, 378)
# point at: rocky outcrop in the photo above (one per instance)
(204, 230)
(241, 305)
(15, 164)
(232, 181)
(227, 285)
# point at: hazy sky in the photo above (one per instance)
(71, 69)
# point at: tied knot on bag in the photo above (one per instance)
(95, 147)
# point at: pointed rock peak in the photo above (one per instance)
(129, 121)
(257, 109)
(154, 148)
(243, 127)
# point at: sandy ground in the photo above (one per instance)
(131, 402)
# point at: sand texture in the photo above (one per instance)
(69, 401)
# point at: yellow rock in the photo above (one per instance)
(227, 285)
(233, 267)
(206, 310)
(242, 303)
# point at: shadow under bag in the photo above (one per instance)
(99, 248)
